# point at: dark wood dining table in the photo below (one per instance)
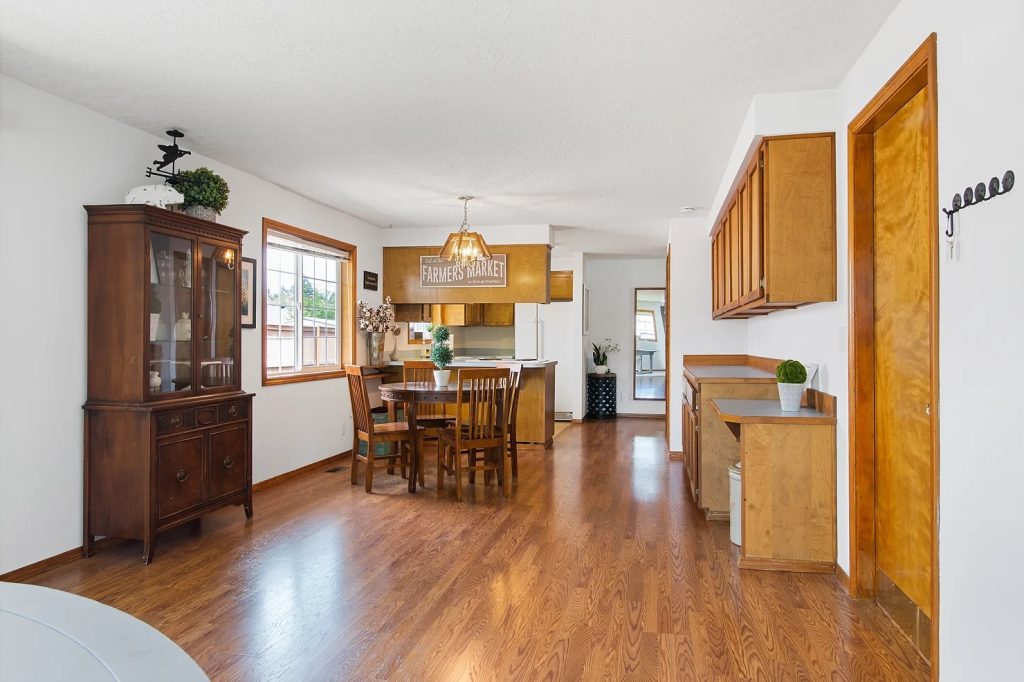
(412, 394)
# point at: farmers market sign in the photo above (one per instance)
(439, 273)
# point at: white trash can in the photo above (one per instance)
(735, 505)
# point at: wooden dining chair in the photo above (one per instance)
(480, 417)
(515, 378)
(429, 415)
(371, 433)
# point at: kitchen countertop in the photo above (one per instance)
(766, 412)
(729, 373)
(471, 362)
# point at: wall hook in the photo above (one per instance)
(976, 195)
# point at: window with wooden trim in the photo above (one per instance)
(308, 305)
(646, 330)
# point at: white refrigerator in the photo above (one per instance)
(551, 331)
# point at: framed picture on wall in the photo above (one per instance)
(248, 293)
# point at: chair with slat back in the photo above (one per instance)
(427, 414)
(371, 433)
(480, 418)
(515, 378)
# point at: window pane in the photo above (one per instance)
(308, 351)
(287, 261)
(273, 259)
(332, 271)
(332, 351)
(287, 289)
(320, 268)
(273, 286)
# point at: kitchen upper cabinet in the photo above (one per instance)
(457, 314)
(499, 314)
(774, 243)
(561, 286)
(412, 312)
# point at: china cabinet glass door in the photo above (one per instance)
(169, 358)
(218, 323)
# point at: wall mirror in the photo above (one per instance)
(649, 344)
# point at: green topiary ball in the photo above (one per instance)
(791, 372)
(441, 334)
(203, 187)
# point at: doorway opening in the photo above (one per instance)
(893, 170)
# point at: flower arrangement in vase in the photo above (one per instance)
(441, 354)
(376, 321)
(601, 351)
(791, 375)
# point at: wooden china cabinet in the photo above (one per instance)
(168, 430)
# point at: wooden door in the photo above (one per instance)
(902, 363)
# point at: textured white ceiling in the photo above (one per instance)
(601, 117)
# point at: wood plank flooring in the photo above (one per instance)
(598, 567)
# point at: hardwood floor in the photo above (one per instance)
(598, 567)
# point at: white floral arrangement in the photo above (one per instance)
(377, 318)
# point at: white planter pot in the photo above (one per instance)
(790, 395)
(442, 376)
(601, 369)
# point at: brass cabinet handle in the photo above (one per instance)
(233, 411)
(176, 420)
(182, 475)
(228, 462)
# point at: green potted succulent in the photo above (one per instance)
(791, 375)
(441, 354)
(205, 192)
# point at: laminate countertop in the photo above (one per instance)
(729, 374)
(766, 412)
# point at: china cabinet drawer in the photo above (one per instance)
(179, 475)
(234, 411)
(206, 416)
(174, 421)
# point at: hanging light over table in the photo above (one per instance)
(465, 247)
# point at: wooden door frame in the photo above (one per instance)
(668, 347)
(918, 73)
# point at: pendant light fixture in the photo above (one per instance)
(465, 247)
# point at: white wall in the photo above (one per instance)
(693, 331)
(980, 514)
(611, 282)
(56, 156)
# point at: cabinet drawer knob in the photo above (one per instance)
(176, 420)
(228, 462)
(182, 475)
(233, 411)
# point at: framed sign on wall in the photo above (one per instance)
(440, 273)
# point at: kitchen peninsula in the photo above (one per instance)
(536, 419)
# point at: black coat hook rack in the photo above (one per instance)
(977, 195)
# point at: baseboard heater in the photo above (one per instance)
(563, 416)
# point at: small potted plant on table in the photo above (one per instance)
(601, 351)
(441, 354)
(791, 375)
